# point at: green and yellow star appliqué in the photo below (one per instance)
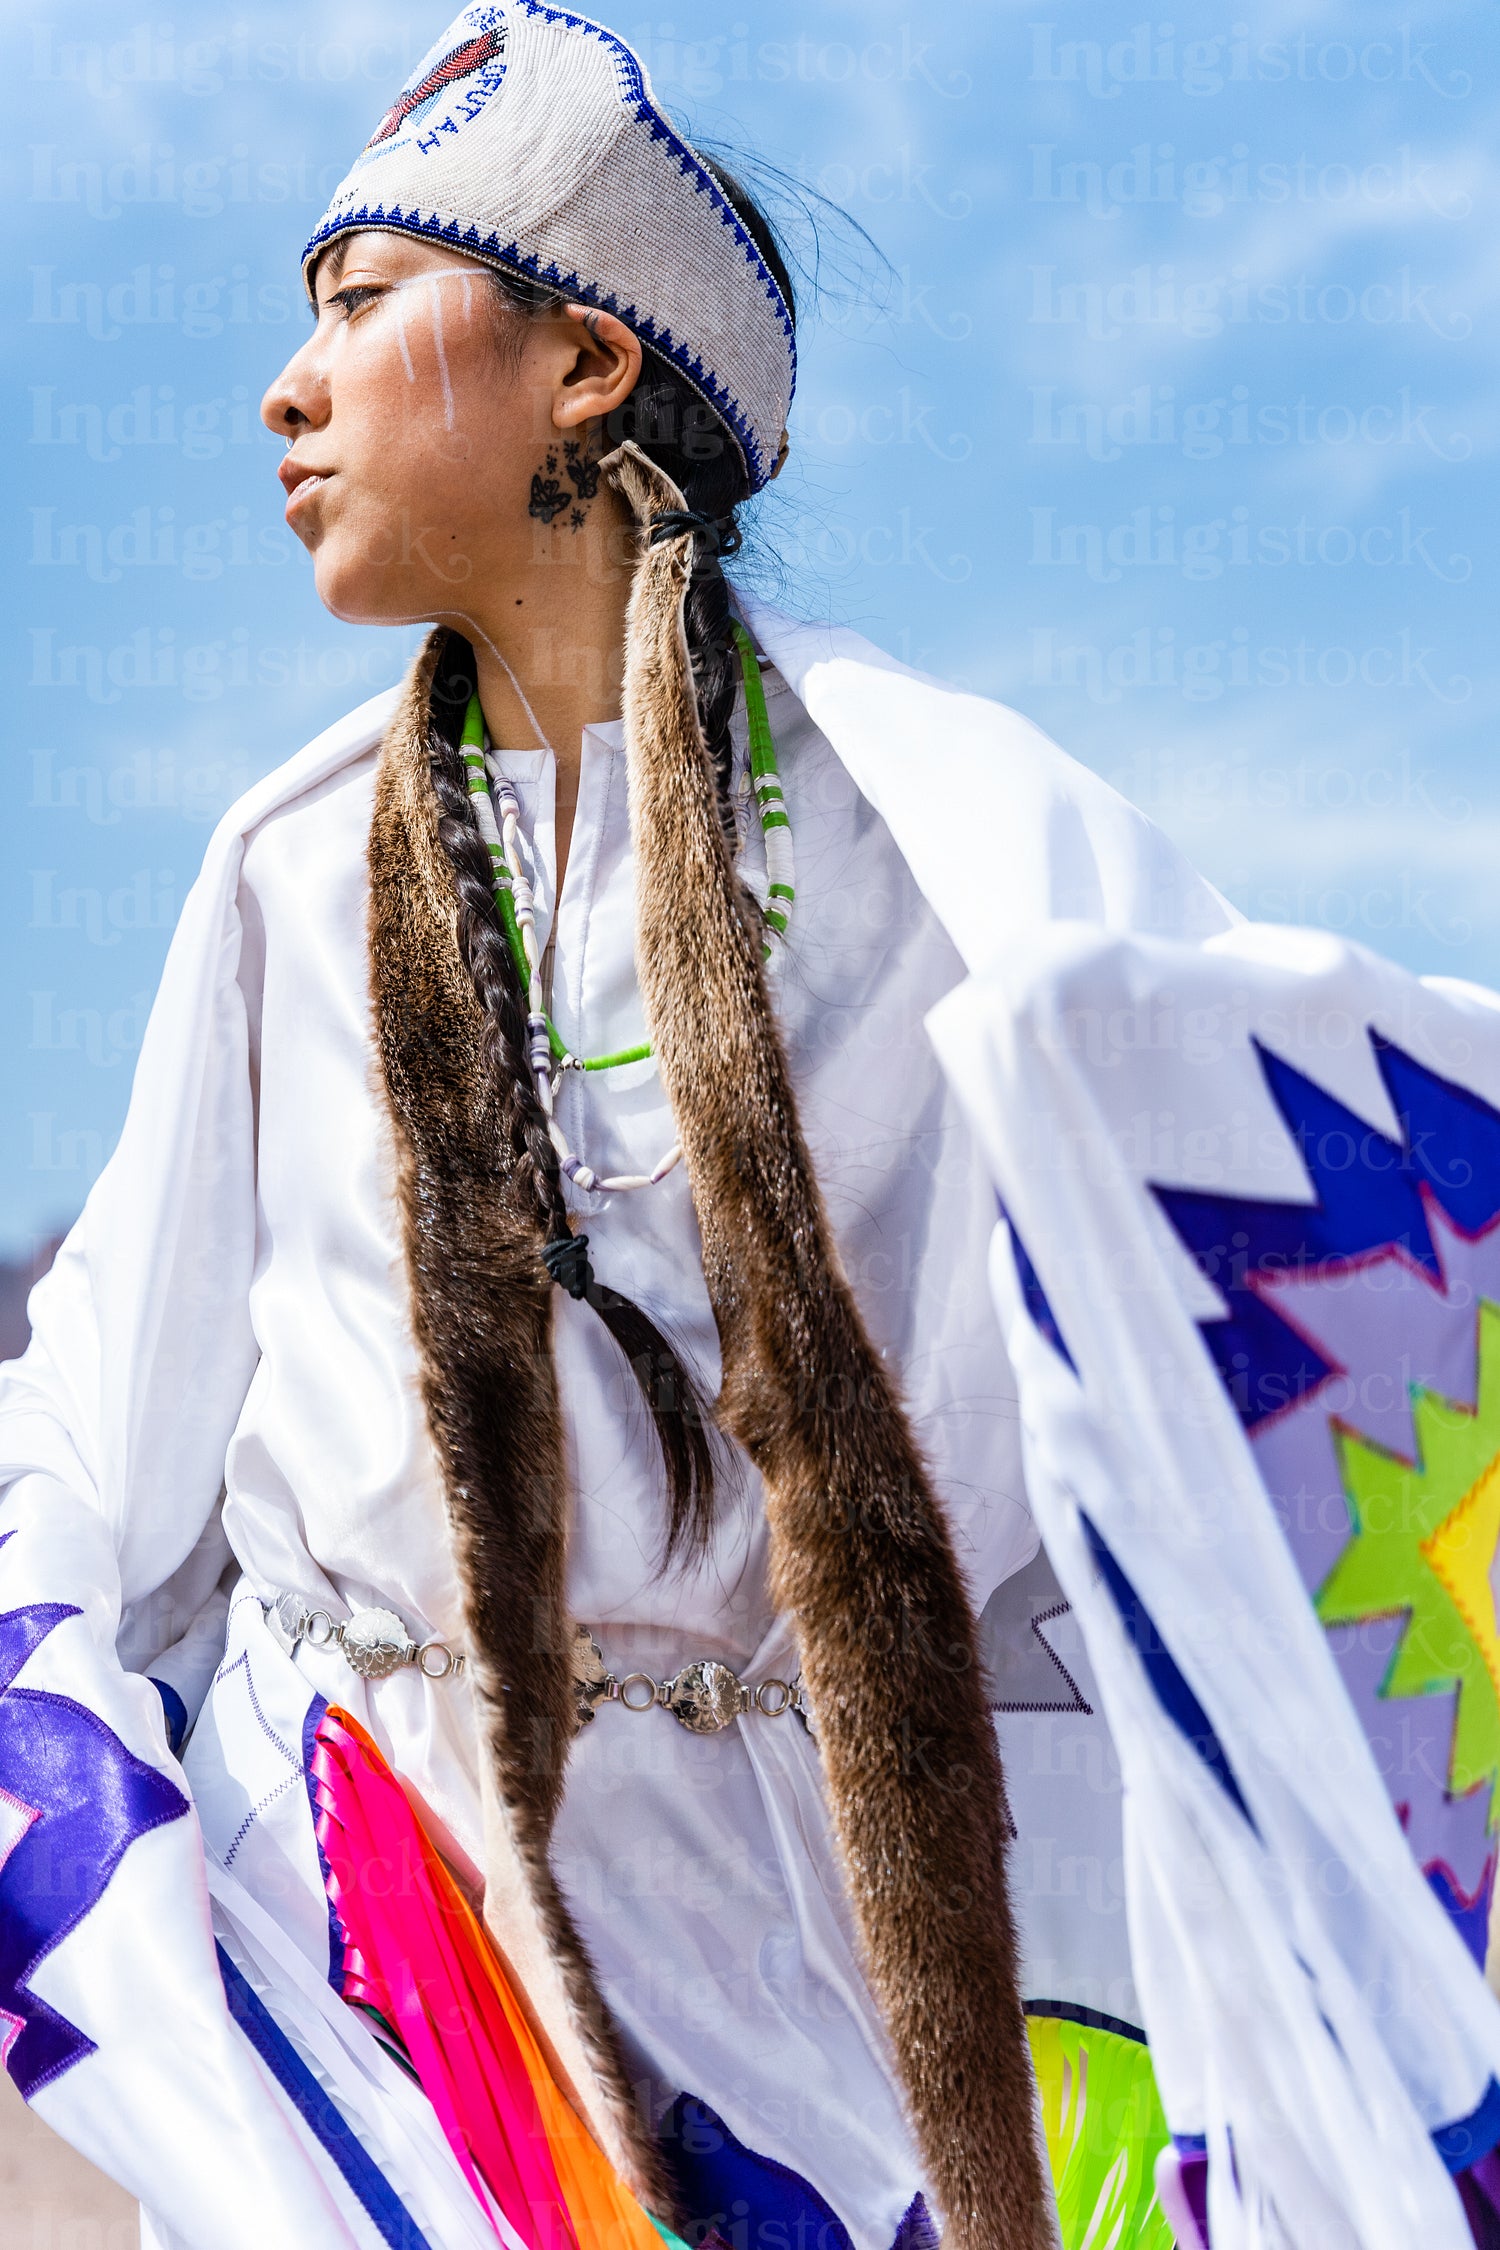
(1424, 1537)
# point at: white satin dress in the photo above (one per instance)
(220, 1405)
(699, 1867)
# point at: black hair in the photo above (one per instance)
(675, 426)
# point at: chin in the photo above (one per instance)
(355, 595)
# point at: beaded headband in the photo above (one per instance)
(529, 138)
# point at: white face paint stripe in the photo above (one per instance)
(466, 275)
(435, 300)
(406, 360)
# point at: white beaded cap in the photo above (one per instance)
(529, 138)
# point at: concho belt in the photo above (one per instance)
(704, 1696)
(373, 1642)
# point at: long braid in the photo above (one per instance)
(715, 663)
(668, 1389)
(483, 946)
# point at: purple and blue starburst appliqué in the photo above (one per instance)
(1374, 1197)
(72, 1801)
(1335, 1313)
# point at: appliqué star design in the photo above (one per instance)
(1367, 1294)
(1424, 1540)
(1371, 1194)
(74, 1800)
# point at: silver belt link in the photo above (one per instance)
(704, 1696)
(373, 1642)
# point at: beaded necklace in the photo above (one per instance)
(499, 821)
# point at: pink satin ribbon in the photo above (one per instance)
(409, 1956)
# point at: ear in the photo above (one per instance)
(602, 372)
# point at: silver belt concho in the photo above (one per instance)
(704, 1696)
(374, 1642)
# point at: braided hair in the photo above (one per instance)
(672, 424)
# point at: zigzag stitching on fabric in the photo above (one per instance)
(255, 1812)
(1019, 1710)
(242, 1661)
(50, 2076)
(531, 268)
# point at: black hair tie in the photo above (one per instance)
(567, 1260)
(671, 523)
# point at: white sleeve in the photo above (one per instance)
(142, 1347)
(114, 1426)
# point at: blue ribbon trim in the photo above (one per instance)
(329, 2127)
(1470, 2138)
(1167, 1683)
(174, 1711)
(337, 1949)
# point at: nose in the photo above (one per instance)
(298, 399)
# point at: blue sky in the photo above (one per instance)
(1170, 418)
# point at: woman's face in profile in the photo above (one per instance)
(419, 412)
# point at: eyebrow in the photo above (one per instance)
(331, 263)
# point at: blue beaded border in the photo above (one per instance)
(531, 268)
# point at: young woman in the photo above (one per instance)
(522, 1416)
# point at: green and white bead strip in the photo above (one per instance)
(775, 828)
(498, 817)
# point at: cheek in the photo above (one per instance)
(481, 423)
(436, 481)
(438, 440)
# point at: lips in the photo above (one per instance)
(300, 478)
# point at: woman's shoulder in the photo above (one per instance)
(875, 707)
(1001, 828)
(335, 760)
(800, 646)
